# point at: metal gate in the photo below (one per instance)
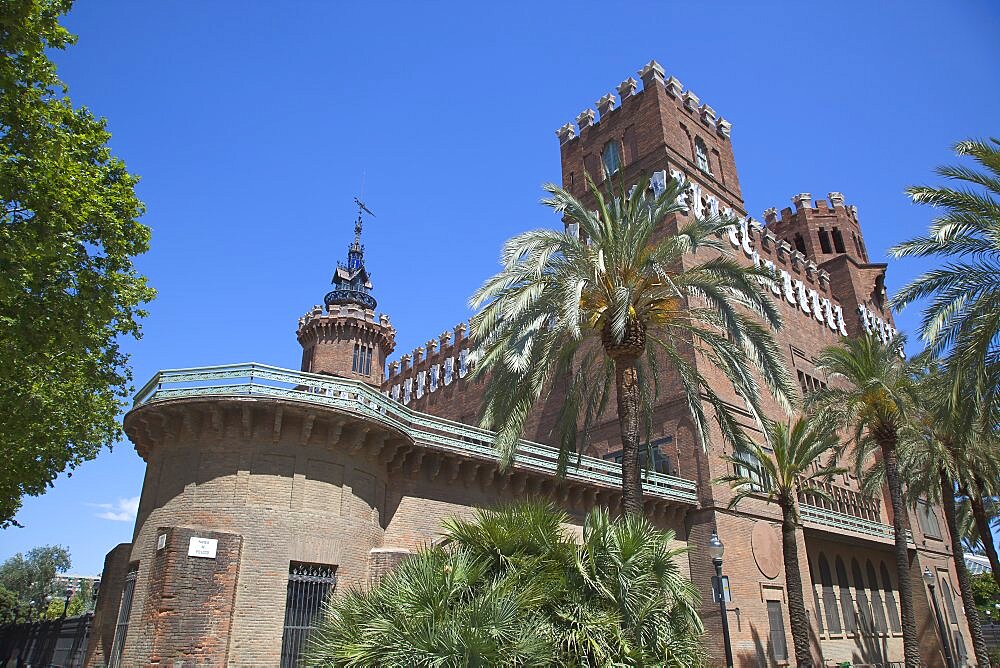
(121, 628)
(308, 588)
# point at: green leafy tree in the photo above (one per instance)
(986, 593)
(10, 607)
(875, 401)
(962, 319)
(68, 288)
(79, 602)
(511, 588)
(593, 313)
(788, 466)
(941, 447)
(29, 577)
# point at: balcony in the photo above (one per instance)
(364, 401)
(830, 519)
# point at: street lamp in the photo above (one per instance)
(930, 578)
(68, 594)
(715, 550)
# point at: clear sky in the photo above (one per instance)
(253, 125)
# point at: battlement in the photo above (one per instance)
(438, 363)
(819, 230)
(652, 75)
(346, 340)
(347, 312)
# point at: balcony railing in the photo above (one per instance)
(362, 400)
(835, 520)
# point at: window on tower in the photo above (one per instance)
(838, 240)
(357, 353)
(611, 158)
(824, 240)
(800, 244)
(701, 155)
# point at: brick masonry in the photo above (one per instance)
(279, 481)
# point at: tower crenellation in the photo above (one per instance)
(820, 229)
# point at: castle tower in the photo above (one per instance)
(659, 128)
(343, 337)
(821, 231)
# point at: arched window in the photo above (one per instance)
(876, 592)
(846, 600)
(812, 585)
(864, 610)
(611, 158)
(890, 599)
(949, 600)
(829, 598)
(701, 155)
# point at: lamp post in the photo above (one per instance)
(67, 594)
(715, 550)
(929, 578)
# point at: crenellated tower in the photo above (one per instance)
(344, 337)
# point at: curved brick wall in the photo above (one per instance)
(273, 482)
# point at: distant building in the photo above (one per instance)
(977, 564)
(63, 581)
(265, 488)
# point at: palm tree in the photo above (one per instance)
(963, 316)
(594, 312)
(979, 514)
(875, 402)
(941, 450)
(779, 473)
(511, 588)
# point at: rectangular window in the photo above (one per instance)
(354, 364)
(121, 627)
(309, 585)
(838, 240)
(752, 470)
(824, 240)
(927, 519)
(776, 620)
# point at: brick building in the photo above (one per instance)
(265, 488)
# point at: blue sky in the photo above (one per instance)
(254, 124)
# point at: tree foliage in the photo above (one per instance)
(791, 463)
(874, 400)
(596, 312)
(511, 588)
(28, 579)
(962, 318)
(68, 288)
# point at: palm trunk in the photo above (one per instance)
(964, 585)
(911, 643)
(985, 532)
(627, 386)
(798, 618)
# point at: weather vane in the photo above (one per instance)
(357, 225)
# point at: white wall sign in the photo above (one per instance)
(202, 547)
(161, 541)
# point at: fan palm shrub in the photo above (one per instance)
(511, 588)
(790, 464)
(874, 401)
(595, 312)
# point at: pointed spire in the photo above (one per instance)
(352, 284)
